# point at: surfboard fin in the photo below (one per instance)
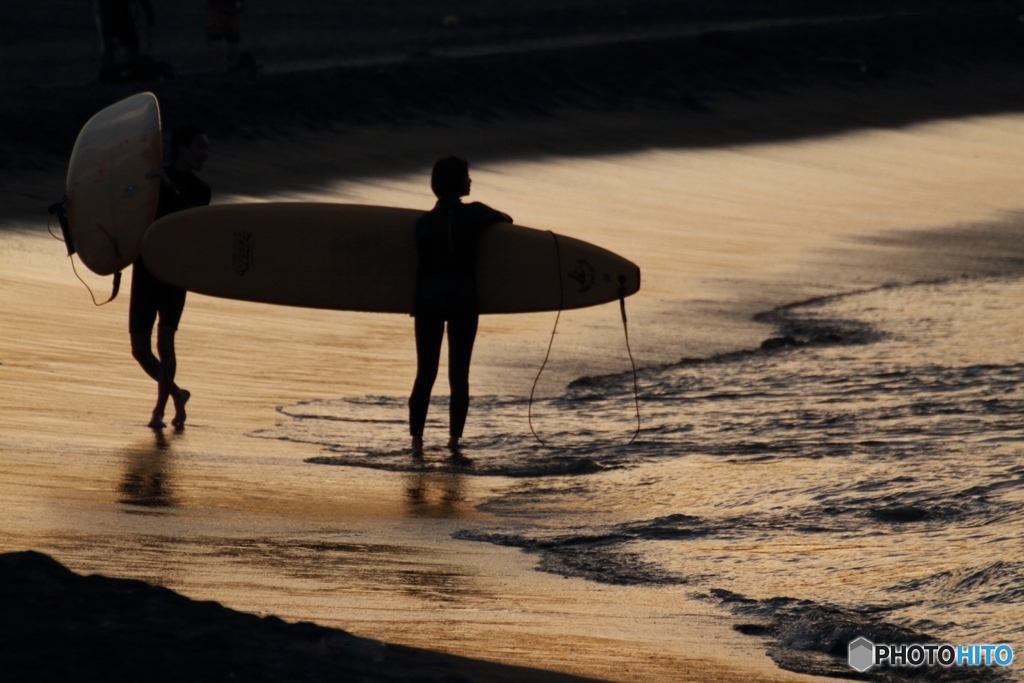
(116, 288)
(60, 209)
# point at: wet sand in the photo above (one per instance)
(67, 399)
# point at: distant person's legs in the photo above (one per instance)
(142, 13)
(97, 15)
(461, 335)
(117, 26)
(223, 34)
(429, 335)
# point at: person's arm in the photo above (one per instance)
(485, 215)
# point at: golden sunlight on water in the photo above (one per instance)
(719, 235)
(725, 233)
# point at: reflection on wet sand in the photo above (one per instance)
(434, 494)
(146, 481)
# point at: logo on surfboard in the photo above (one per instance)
(583, 273)
(241, 253)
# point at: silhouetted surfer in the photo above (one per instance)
(179, 189)
(447, 241)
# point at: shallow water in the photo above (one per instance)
(871, 463)
(863, 469)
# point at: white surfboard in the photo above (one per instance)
(110, 201)
(363, 258)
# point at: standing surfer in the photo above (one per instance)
(447, 242)
(179, 189)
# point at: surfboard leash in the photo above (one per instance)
(551, 341)
(59, 209)
(629, 351)
(114, 290)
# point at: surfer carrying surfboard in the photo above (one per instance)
(150, 297)
(447, 244)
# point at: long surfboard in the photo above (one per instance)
(363, 258)
(110, 201)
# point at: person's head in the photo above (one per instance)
(450, 178)
(189, 147)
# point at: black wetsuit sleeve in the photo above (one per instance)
(483, 216)
(478, 216)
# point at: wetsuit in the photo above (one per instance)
(447, 243)
(149, 295)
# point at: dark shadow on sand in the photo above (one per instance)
(57, 625)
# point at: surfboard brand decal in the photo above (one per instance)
(241, 254)
(583, 273)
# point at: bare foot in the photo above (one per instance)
(417, 446)
(156, 422)
(460, 460)
(457, 457)
(179, 408)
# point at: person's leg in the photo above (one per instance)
(99, 12)
(429, 334)
(168, 367)
(172, 303)
(461, 335)
(142, 312)
(142, 352)
(109, 22)
(124, 28)
(166, 388)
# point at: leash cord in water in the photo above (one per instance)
(551, 341)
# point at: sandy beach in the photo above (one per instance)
(222, 553)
